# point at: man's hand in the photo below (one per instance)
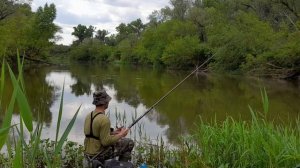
(117, 131)
(123, 132)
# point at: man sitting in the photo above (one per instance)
(99, 140)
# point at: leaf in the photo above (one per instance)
(266, 102)
(7, 118)
(37, 140)
(21, 135)
(66, 133)
(2, 82)
(4, 130)
(48, 163)
(60, 113)
(17, 162)
(22, 102)
(20, 71)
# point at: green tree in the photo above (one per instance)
(42, 33)
(31, 33)
(81, 32)
(180, 8)
(91, 49)
(155, 40)
(182, 52)
(136, 27)
(101, 35)
(7, 8)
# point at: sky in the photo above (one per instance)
(102, 14)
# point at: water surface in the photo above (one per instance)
(134, 89)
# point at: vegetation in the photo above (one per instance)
(231, 143)
(30, 32)
(35, 152)
(257, 37)
(248, 36)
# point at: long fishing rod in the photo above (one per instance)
(170, 91)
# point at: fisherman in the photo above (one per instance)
(100, 139)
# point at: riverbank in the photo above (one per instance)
(228, 144)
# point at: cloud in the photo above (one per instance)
(103, 14)
(65, 17)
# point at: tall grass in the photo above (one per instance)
(234, 143)
(260, 143)
(35, 152)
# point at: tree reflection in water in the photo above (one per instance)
(137, 88)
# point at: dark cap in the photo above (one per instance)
(101, 98)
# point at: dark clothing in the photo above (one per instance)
(122, 148)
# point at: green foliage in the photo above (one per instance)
(82, 32)
(101, 35)
(91, 49)
(181, 52)
(126, 49)
(248, 35)
(155, 40)
(42, 32)
(31, 33)
(232, 143)
(25, 110)
(28, 154)
(238, 39)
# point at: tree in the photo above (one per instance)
(91, 50)
(155, 18)
(43, 30)
(101, 35)
(182, 52)
(155, 40)
(180, 8)
(7, 8)
(29, 32)
(136, 27)
(125, 30)
(82, 32)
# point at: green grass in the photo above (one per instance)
(233, 143)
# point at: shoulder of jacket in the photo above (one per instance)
(102, 117)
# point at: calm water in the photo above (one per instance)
(134, 89)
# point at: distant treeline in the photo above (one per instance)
(254, 36)
(248, 36)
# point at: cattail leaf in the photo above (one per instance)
(17, 162)
(24, 107)
(60, 113)
(7, 118)
(66, 133)
(2, 82)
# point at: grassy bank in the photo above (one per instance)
(232, 143)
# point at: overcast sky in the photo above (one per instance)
(103, 14)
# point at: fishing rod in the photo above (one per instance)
(170, 91)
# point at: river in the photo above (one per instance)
(134, 89)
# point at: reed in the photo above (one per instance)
(32, 152)
(233, 143)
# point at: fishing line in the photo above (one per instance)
(170, 91)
